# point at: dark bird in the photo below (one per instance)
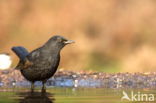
(41, 63)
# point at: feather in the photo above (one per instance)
(21, 52)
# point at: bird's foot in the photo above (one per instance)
(43, 86)
(43, 90)
(32, 90)
(32, 87)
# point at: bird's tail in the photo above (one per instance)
(21, 52)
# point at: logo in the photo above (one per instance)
(140, 97)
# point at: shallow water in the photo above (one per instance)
(69, 95)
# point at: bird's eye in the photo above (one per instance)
(59, 39)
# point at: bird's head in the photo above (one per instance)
(58, 42)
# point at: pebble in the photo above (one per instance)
(63, 78)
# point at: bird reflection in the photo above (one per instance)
(36, 97)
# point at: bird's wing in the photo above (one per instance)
(34, 55)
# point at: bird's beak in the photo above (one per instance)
(69, 41)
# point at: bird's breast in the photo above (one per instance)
(42, 68)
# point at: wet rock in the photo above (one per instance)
(64, 78)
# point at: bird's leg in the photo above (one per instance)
(44, 86)
(27, 63)
(32, 87)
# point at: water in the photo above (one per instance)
(67, 95)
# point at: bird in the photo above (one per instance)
(41, 63)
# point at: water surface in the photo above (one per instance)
(68, 95)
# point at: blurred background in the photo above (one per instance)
(110, 35)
